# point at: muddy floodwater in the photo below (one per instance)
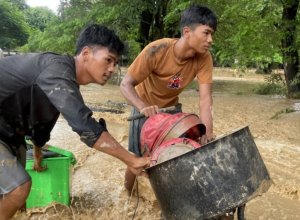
(97, 179)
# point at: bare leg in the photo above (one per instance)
(129, 180)
(10, 203)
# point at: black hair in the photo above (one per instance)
(198, 15)
(98, 35)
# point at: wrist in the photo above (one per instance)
(129, 159)
(141, 108)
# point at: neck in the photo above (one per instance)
(182, 51)
(80, 75)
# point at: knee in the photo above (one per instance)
(20, 194)
(24, 190)
(14, 200)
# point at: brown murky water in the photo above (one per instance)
(97, 179)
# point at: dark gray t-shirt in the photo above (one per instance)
(34, 89)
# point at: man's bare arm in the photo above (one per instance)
(128, 91)
(107, 144)
(205, 108)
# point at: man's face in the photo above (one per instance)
(100, 64)
(200, 38)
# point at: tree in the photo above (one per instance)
(289, 46)
(259, 33)
(20, 4)
(60, 32)
(247, 35)
(39, 17)
(152, 21)
(250, 33)
(14, 31)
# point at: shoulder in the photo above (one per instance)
(56, 68)
(204, 59)
(159, 46)
(53, 58)
(161, 42)
(204, 56)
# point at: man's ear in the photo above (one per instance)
(85, 52)
(186, 31)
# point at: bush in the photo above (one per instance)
(270, 89)
(274, 85)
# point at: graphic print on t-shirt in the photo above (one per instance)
(175, 81)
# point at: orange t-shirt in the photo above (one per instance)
(162, 77)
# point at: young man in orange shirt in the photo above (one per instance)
(164, 68)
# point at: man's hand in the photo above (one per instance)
(138, 166)
(207, 138)
(38, 157)
(149, 110)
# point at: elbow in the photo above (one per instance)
(122, 87)
(124, 84)
(127, 85)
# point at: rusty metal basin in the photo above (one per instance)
(208, 181)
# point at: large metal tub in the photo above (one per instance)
(208, 181)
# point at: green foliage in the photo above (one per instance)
(296, 80)
(249, 33)
(274, 85)
(173, 17)
(270, 89)
(39, 17)
(20, 4)
(14, 31)
(33, 42)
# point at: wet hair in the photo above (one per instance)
(198, 15)
(98, 35)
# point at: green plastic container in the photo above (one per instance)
(53, 184)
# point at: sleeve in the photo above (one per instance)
(41, 133)
(143, 64)
(60, 86)
(205, 68)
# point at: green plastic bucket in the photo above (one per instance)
(53, 184)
